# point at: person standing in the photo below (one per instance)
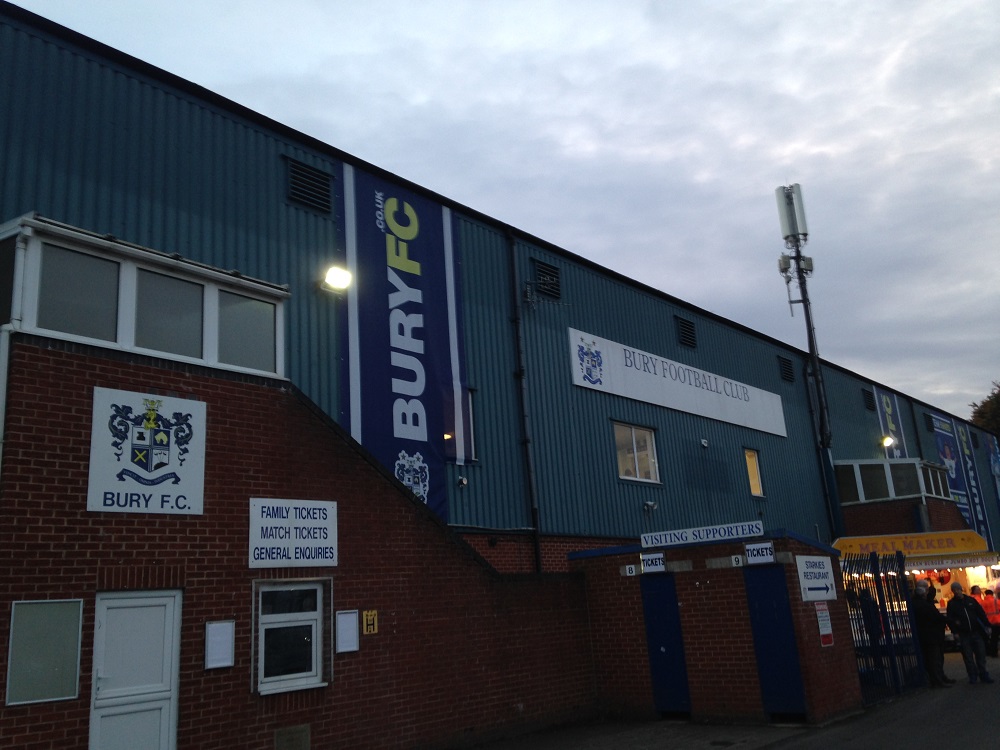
(992, 608)
(968, 622)
(930, 624)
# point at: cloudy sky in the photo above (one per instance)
(650, 136)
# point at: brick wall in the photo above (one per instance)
(461, 652)
(901, 517)
(718, 640)
(515, 553)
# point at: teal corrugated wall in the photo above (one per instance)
(99, 146)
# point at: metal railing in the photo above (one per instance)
(885, 643)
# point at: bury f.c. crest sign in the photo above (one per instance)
(147, 454)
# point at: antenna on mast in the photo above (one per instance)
(795, 233)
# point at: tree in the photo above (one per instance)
(986, 413)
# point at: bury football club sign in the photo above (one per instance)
(608, 366)
(406, 396)
(147, 454)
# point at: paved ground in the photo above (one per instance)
(964, 715)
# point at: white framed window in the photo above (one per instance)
(753, 472)
(290, 635)
(104, 292)
(44, 655)
(78, 294)
(636, 453)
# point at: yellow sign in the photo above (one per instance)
(369, 621)
(914, 545)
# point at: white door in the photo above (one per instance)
(136, 665)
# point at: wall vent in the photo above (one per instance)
(547, 280)
(787, 369)
(869, 398)
(928, 422)
(309, 186)
(975, 440)
(686, 334)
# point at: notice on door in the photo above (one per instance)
(292, 533)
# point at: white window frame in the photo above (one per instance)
(653, 462)
(318, 620)
(130, 259)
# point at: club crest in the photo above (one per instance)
(151, 439)
(413, 472)
(591, 362)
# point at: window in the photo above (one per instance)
(44, 657)
(290, 636)
(109, 293)
(753, 472)
(636, 451)
(168, 315)
(246, 331)
(78, 294)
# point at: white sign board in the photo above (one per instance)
(726, 532)
(816, 578)
(147, 454)
(760, 553)
(292, 533)
(653, 563)
(604, 365)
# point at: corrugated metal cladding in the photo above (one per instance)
(98, 146)
(573, 426)
(103, 142)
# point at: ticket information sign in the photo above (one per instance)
(292, 533)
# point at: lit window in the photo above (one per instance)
(168, 315)
(636, 451)
(246, 331)
(753, 472)
(78, 294)
(290, 637)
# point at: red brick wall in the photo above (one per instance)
(718, 641)
(901, 517)
(461, 651)
(618, 632)
(515, 553)
(945, 516)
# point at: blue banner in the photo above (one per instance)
(955, 452)
(976, 499)
(407, 396)
(892, 426)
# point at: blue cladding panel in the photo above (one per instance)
(100, 146)
(700, 486)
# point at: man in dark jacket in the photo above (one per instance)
(930, 626)
(968, 622)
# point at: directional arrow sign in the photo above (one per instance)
(816, 578)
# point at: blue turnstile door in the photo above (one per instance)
(666, 646)
(778, 666)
